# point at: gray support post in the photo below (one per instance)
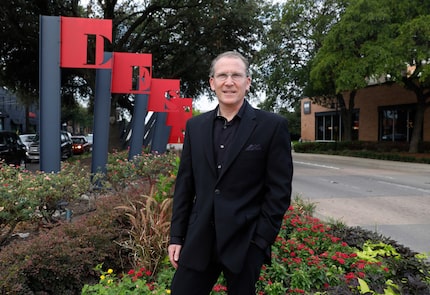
(161, 134)
(138, 125)
(102, 104)
(49, 93)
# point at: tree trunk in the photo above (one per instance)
(418, 124)
(415, 86)
(115, 134)
(347, 116)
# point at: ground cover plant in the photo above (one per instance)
(117, 243)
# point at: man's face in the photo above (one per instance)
(230, 81)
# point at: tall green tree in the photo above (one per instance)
(19, 44)
(294, 33)
(375, 40)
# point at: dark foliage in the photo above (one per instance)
(409, 273)
(60, 260)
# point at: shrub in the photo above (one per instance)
(149, 166)
(60, 260)
(394, 151)
(27, 196)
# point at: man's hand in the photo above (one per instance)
(174, 251)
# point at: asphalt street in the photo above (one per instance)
(391, 198)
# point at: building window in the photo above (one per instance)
(396, 123)
(307, 107)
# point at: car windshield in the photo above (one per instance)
(29, 138)
(78, 140)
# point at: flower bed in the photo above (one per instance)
(307, 259)
(106, 245)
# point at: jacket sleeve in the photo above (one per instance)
(277, 199)
(184, 193)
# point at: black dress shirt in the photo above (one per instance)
(224, 133)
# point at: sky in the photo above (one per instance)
(203, 104)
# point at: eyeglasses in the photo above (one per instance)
(235, 76)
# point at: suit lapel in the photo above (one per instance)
(207, 139)
(245, 129)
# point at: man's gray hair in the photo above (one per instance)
(231, 54)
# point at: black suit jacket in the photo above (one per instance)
(245, 203)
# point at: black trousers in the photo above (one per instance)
(191, 282)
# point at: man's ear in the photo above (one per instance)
(211, 81)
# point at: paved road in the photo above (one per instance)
(391, 198)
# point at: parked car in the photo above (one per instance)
(80, 145)
(27, 139)
(89, 138)
(12, 150)
(33, 153)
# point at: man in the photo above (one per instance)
(232, 189)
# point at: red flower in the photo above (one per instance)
(219, 288)
(131, 272)
(349, 276)
(324, 255)
(334, 257)
(335, 239)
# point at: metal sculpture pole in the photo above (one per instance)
(49, 94)
(138, 125)
(102, 104)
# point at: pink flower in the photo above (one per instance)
(219, 288)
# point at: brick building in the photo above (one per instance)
(381, 113)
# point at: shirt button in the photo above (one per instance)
(217, 192)
(221, 146)
(219, 166)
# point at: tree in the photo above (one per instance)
(183, 36)
(375, 39)
(19, 37)
(295, 31)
